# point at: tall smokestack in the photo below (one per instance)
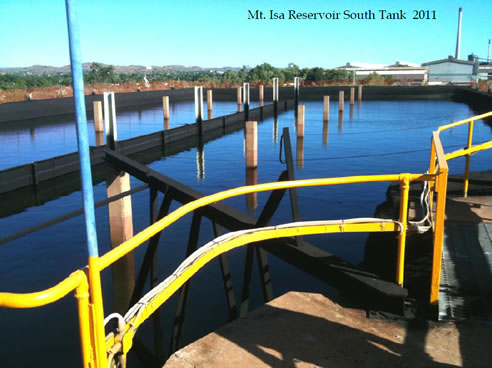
(458, 41)
(488, 53)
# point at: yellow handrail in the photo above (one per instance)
(469, 147)
(132, 243)
(464, 121)
(41, 298)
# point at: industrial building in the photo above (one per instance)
(451, 71)
(400, 71)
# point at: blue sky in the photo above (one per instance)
(218, 33)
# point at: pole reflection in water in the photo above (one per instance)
(325, 133)
(32, 133)
(275, 130)
(358, 108)
(300, 152)
(200, 160)
(251, 179)
(99, 138)
(340, 121)
(351, 112)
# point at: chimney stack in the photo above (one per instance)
(488, 53)
(458, 41)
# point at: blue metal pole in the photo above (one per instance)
(82, 134)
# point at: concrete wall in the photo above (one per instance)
(64, 106)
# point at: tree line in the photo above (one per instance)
(99, 73)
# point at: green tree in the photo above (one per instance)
(315, 74)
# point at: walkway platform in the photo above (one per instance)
(310, 330)
(466, 278)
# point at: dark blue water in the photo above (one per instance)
(376, 138)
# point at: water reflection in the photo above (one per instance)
(200, 161)
(340, 121)
(251, 179)
(275, 130)
(325, 133)
(300, 152)
(351, 112)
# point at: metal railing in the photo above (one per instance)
(438, 162)
(97, 347)
(470, 148)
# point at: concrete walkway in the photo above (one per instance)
(310, 330)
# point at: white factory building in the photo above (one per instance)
(451, 71)
(400, 71)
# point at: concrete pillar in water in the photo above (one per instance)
(165, 109)
(261, 92)
(300, 120)
(296, 90)
(326, 108)
(209, 102)
(99, 138)
(98, 117)
(199, 105)
(359, 95)
(239, 99)
(251, 145)
(352, 96)
(246, 99)
(275, 90)
(275, 95)
(120, 215)
(341, 100)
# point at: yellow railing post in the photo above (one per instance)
(442, 181)
(467, 167)
(86, 341)
(97, 311)
(400, 263)
(432, 170)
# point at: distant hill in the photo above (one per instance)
(53, 70)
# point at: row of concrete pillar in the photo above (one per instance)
(242, 98)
